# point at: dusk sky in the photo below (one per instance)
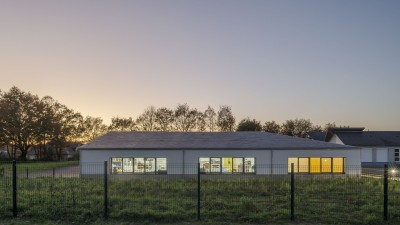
(327, 61)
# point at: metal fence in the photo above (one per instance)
(365, 197)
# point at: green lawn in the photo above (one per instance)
(36, 166)
(161, 200)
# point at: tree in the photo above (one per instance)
(91, 128)
(249, 125)
(271, 127)
(185, 118)
(225, 119)
(201, 122)
(122, 124)
(164, 119)
(210, 119)
(19, 118)
(146, 120)
(297, 127)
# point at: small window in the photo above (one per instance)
(396, 155)
(116, 165)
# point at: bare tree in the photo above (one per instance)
(185, 118)
(210, 119)
(92, 127)
(146, 120)
(225, 119)
(164, 119)
(122, 124)
(271, 127)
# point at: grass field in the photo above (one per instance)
(36, 166)
(351, 200)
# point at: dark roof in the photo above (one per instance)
(204, 140)
(370, 138)
(317, 135)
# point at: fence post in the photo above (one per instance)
(105, 191)
(54, 172)
(27, 173)
(14, 187)
(292, 192)
(198, 191)
(385, 193)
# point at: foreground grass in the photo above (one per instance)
(256, 200)
(36, 166)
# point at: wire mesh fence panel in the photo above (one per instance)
(242, 197)
(150, 196)
(6, 189)
(394, 192)
(63, 195)
(339, 198)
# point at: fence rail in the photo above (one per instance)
(369, 196)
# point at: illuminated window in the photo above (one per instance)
(116, 165)
(139, 165)
(317, 165)
(227, 165)
(326, 165)
(304, 165)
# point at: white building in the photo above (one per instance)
(216, 152)
(376, 146)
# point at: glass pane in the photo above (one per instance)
(226, 165)
(326, 165)
(204, 165)
(150, 165)
(215, 165)
(161, 165)
(116, 165)
(127, 165)
(303, 165)
(139, 165)
(238, 165)
(249, 165)
(338, 165)
(315, 165)
(295, 161)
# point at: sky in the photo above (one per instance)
(327, 61)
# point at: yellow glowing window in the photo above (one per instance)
(227, 165)
(315, 165)
(338, 165)
(303, 165)
(295, 162)
(326, 165)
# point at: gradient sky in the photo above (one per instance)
(270, 60)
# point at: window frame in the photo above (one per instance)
(134, 166)
(232, 165)
(309, 170)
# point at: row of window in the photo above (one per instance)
(396, 155)
(227, 165)
(139, 165)
(317, 165)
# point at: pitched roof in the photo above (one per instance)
(317, 135)
(204, 140)
(370, 138)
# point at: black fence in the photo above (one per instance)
(88, 192)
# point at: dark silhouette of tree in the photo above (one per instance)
(226, 120)
(210, 119)
(122, 124)
(271, 127)
(164, 119)
(249, 125)
(91, 128)
(146, 120)
(185, 118)
(297, 127)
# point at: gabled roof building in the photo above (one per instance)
(135, 153)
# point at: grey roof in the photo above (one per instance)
(204, 140)
(370, 138)
(317, 135)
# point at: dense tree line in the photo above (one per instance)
(28, 121)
